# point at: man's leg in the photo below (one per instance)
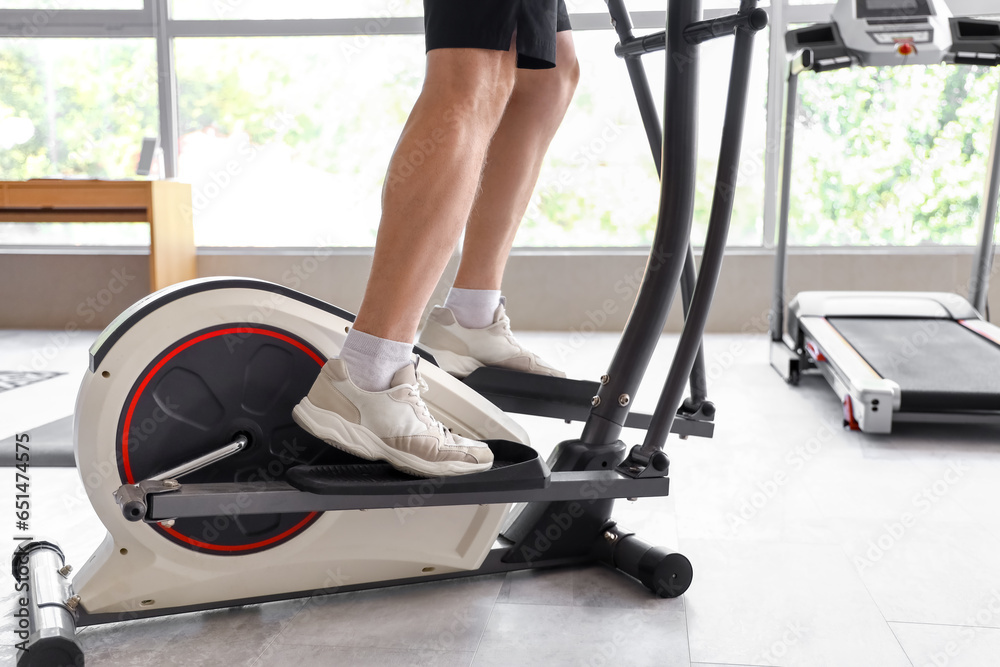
(471, 330)
(367, 402)
(431, 184)
(535, 111)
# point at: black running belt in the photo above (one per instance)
(938, 364)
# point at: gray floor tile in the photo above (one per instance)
(783, 604)
(439, 616)
(282, 655)
(524, 634)
(595, 586)
(240, 634)
(933, 572)
(949, 645)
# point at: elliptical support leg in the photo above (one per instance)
(666, 573)
(49, 636)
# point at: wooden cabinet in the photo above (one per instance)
(165, 205)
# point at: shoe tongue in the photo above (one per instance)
(405, 375)
(501, 310)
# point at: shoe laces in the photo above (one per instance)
(504, 322)
(415, 392)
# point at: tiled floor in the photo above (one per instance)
(811, 546)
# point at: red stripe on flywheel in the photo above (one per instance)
(149, 376)
(238, 547)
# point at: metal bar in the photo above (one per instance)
(380, 25)
(781, 248)
(166, 82)
(76, 22)
(49, 638)
(345, 27)
(673, 229)
(279, 497)
(699, 376)
(202, 461)
(121, 31)
(654, 134)
(724, 26)
(775, 94)
(715, 243)
(638, 46)
(139, 23)
(979, 286)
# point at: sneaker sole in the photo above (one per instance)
(362, 442)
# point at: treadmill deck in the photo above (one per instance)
(939, 364)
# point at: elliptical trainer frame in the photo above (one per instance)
(148, 507)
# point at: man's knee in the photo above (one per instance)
(569, 79)
(471, 82)
(550, 89)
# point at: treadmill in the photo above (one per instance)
(893, 356)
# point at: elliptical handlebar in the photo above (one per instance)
(677, 185)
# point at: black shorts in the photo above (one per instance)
(489, 24)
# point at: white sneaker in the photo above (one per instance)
(460, 351)
(393, 425)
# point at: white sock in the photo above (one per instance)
(473, 308)
(372, 361)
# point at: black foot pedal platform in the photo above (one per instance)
(515, 466)
(541, 395)
(561, 398)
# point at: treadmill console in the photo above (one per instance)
(895, 32)
(885, 33)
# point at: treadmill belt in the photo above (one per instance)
(938, 364)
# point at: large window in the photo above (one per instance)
(891, 156)
(75, 108)
(285, 140)
(599, 184)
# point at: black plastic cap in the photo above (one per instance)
(56, 651)
(758, 19)
(667, 574)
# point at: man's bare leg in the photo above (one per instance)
(471, 331)
(533, 114)
(431, 184)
